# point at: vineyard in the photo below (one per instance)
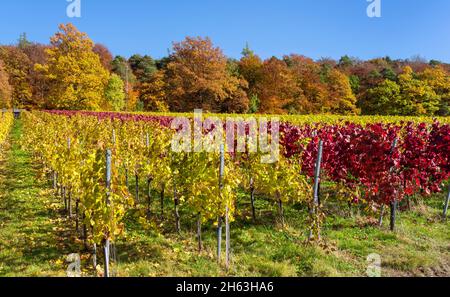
(115, 173)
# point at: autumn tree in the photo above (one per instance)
(324, 88)
(197, 77)
(341, 99)
(250, 67)
(409, 96)
(75, 75)
(17, 66)
(5, 88)
(307, 75)
(278, 90)
(153, 93)
(439, 80)
(36, 54)
(104, 54)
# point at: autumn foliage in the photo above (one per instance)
(73, 72)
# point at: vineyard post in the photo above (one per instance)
(393, 214)
(227, 237)
(70, 192)
(63, 194)
(77, 213)
(219, 238)
(69, 197)
(219, 220)
(227, 212)
(380, 220)
(149, 180)
(136, 175)
(161, 198)
(446, 203)
(176, 212)
(55, 180)
(393, 203)
(314, 210)
(114, 137)
(94, 255)
(252, 197)
(108, 194)
(84, 231)
(199, 231)
(149, 197)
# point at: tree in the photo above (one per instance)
(345, 62)
(308, 78)
(419, 98)
(153, 93)
(341, 99)
(75, 75)
(254, 104)
(36, 54)
(278, 91)
(114, 93)
(388, 73)
(17, 66)
(409, 97)
(143, 67)
(438, 79)
(197, 77)
(23, 42)
(104, 54)
(384, 99)
(5, 88)
(324, 89)
(250, 68)
(121, 67)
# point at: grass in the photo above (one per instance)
(29, 243)
(35, 238)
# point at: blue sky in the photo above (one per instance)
(315, 28)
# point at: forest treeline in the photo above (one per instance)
(74, 73)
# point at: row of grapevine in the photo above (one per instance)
(76, 151)
(362, 157)
(6, 121)
(377, 163)
(381, 163)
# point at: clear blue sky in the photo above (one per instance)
(315, 28)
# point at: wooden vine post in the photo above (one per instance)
(252, 197)
(219, 222)
(108, 202)
(227, 211)
(446, 203)
(315, 207)
(380, 220)
(394, 202)
(149, 180)
(70, 192)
